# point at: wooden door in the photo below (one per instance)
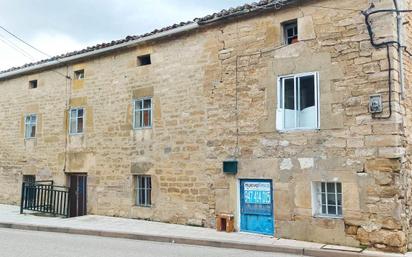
(78, 194)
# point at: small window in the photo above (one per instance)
(29, 179)
(290, 31)
(30, 123)
(144, 60)
(327, 199)
(79, 75)
(143, 191)
(32, 84)
(298, 97)
(76, 121)
(142, 117)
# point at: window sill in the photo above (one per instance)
(30, 138)
(143, 206)
(144, 128)
(76, 134)
(320, 216)
(298, 130)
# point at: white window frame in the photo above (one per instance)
(280, 113)
(142, 111)
(29, 125)
(289, 25)
(76, 74)
(146, 189)
(317, 200)
(71, 132)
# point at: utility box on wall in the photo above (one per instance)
(230, 167)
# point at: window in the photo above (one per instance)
(30, 123)
(32, 84)
(29, 179)
(327, 199)
(144, 60)
(142, 117)
(79, 75)
(76, 120)
(143, 191)
(298, 97)
(290, 31)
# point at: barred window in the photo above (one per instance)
(142, 117)
(328, 199)
(143, 191)
(30, 122)
(76, 121)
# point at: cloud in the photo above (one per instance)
(57, 27)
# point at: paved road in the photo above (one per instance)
(19, 243)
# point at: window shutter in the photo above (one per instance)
(279, 110)
(279, 119)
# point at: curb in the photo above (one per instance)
(313, 252)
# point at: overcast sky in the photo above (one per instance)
(57, 27)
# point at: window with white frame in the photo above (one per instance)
(76, 121)
(142, 116)
(143, 191)
(30, 123)
(298, 102)
(327, 199)
(79, 74)
(290, 31)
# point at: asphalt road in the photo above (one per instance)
(19, 243)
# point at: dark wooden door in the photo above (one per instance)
(78, 194)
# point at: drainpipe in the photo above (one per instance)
(400, 48)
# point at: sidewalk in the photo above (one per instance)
(153, 231)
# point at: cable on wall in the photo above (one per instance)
(387, 44)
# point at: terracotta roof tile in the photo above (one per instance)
(236, 11)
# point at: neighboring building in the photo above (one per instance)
(143, 126)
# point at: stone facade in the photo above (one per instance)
(214, 98)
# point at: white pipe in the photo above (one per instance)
(400, 52)
(65, 60)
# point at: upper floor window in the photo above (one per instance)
(79, 74)
(327, 199)
(290, 32)
(76, 121)
(32, 84)
(142, 116)
(30, 123)
(144, 60)
(298, 102)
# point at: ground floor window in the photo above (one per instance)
(30, 179)
(143, 191)
(327, 199)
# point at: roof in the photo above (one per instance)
(104, 47)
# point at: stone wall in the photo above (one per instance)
(214, 93)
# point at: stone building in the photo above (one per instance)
(309, 118)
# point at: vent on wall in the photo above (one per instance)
(144, 60)
(32, 84)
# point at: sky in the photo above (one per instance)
(56, 27)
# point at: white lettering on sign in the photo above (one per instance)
(257, 186)
(257, 193)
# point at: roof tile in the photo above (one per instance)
(234, 11)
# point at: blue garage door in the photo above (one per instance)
(256, 207)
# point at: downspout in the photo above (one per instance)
(400, 48)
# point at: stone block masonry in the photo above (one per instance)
(214, 97)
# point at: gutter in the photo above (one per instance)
(70, 59)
